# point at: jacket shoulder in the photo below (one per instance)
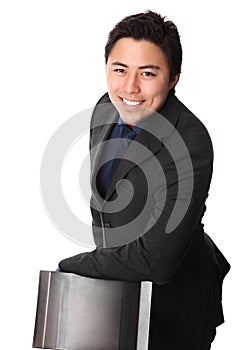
(104, 99)
(192, 129)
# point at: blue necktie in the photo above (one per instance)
(127, 134)
(124, 135)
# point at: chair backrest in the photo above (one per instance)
(81, 313)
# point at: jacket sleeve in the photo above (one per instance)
(157, 255)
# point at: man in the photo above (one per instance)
(149, 198)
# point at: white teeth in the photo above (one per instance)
(132, 103)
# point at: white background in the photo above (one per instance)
(52, 66)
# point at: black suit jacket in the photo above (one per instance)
(158, 235)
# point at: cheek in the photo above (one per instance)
(157, 90)
(112, 83)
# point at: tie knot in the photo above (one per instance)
(127, 132)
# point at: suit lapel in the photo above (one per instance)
(104, 118)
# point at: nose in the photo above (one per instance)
(131, 84)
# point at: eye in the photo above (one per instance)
(119, 70)
(148, 74)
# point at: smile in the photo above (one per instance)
(131, 103)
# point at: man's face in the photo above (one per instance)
(138, 79)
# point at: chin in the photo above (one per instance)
(132, 118)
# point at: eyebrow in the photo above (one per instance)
(147, 66)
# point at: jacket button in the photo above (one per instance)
(107, 225)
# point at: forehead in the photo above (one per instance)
(137, 53)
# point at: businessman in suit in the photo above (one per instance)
(151, 167)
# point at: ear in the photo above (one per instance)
(174, 81)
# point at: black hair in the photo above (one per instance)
(152, 27)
